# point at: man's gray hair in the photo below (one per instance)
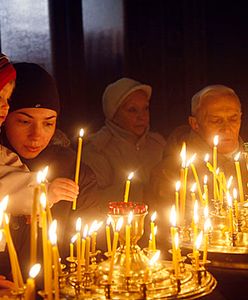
(210, 90)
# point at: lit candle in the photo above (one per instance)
(29, 293)
(73, 239)
(12, 252)
(209, 166)
(173, 218)
(85, 233)
(178, 184)
(195, 221)
(33, 227)
(176, 254)
(207, 226)
(127, 188)
(153, 217)
(183, 179)
(78, 162)
(196, 177)
(239, 177)
(216, 141)
(150, 243)
(46, 266)
(128, 240)
(53, 240)
(92, 233)
(197, 247)
(108, 238)
(115, 243)
(229, 202)
(78, 230)
(235, 203)
(205, 188)
(87, 253)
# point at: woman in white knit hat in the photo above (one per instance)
(125, 143)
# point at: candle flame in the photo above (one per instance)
(85, 233)
(216, 140)
(205, 179)
(154, 258)
(81, 132)
(183, 155)
(178, 185)
(154, 216)
(229, 199)
(206, 158)
(193, 187)
(207, 225)
(237, 156)
(229, 182)
(34, 270)
(44, 174)
(173, 216)
(155, 230)
(130, 218)
(74, 238)
(119, 224)
(130, 176)
(93, 227)
(43, 200)
(109, 220)
(78, 224)
(191, 160)
(150, 237)
(196, 218)
(4, 203)
(1, 218)
(235, 194)
(217, 171)
(198, 240)
(99, 225)
(1, 235)
(39, 177)
(176, 240)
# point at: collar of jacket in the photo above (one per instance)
(126, 135)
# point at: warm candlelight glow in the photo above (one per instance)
(43, 200)
(4, 203)
(205, 179)
(206, 158)
(196, 217)
(130, 176)
(229, 199)
(205, 212)
(235, 193)
(44, 173)
(153, 217)
(127, 187)
(130, 218)
(52, 232)
(81, 132)
(39, 177)
(119, 224)
(154, 258)
(183, 155)
(193, 188)
(229, 182)
(237, 156)
(74, 238)
(178, 185)
(216, 140)
(207, 225)
(78, 224)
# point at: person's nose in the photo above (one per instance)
(35, 132)
(4, 104)
(226, 127)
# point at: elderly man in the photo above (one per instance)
(215, 110)
(125, 143)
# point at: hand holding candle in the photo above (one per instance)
(78, 162)
(127, 188)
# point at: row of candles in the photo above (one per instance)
(221, 186)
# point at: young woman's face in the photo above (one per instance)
(133, 114)
(29, 130)
(5, 94)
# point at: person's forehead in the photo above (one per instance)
(220, 104)
(138, 96)
(37, 113)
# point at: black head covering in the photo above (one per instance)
(35, 88)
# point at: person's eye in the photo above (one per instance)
(132, 110)
(49, 124)
(24, 122)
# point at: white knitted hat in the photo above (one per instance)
(115, 93)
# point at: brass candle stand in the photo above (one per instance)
(226, 248)
(144, 281)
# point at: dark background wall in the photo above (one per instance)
(177, 47)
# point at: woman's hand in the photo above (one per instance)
(6, 284)
(62, 189)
